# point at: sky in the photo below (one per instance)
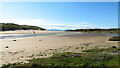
(61, 15)
(59, 0)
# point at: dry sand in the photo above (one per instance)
(20, 32)
(23, 49)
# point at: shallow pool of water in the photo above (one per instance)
(63, 34)
(28, 35)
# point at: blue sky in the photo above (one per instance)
(59, 0)
(61, 15)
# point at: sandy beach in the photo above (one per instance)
(23, 49)
(21, 32)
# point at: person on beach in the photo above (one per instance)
(34, 32)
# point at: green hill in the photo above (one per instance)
(12, 26)
(112, 30)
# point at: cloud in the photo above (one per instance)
(40, 22)
(66, 26)
(44, 24)
(83, 23)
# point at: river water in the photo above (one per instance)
(64, 34)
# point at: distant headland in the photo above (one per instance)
(12, 26)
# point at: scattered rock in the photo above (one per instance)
(77, 48)
(35, 64)
(7, 46)
(15, 53)
(9, 52)
(82, 47)
(21, 56)
(40, 40)
(72, 55)
(34, 32)
(51, 49)
(114, 47)
(14, 40)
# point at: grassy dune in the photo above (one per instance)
(114, 31)
(106, 57)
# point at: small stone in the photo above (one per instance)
(114, 47)
(14, 40)
(51, 49)
(40, 40)
(7, 46)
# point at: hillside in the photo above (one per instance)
(114, 30)
(12, 26)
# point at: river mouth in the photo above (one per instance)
(61, 34)
(29, 35)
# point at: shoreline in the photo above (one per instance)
(23, 32)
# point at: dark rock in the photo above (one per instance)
(72, 55)
(51, 49)
(14, 40)
(7, 47)
(36, 64)
(34, 32)
(114, 47)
